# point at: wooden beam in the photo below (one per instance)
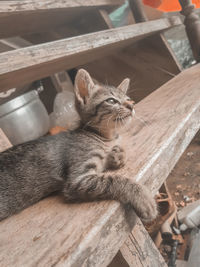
(90, 234)
(139, 249)
(31, 6)
(4, 142)
(29, 16)
(28, 64)
(149, 58)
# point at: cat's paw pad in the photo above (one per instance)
(116, 158)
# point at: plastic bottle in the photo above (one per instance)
(64, 112)
(192, 219)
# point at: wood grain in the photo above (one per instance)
(30, 6)
(52, 233)
(148, 58)
(139, 249)
(4, 142)
(28, 64)
(28, 16)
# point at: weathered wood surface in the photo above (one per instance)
(61, 80)
(52, 233)
(28, 64)
(26, 16)
(30, 6)
(148, 58)
(139, 249)
(4, 142)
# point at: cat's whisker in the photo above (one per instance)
(134, 90)
(109, 118)
(125, 126)
(141, 120)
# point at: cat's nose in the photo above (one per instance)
(129, 104)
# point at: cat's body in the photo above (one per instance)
(74, 163)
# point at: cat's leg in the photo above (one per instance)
(89, 187)
(115, 158)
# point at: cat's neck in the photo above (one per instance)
(104, 135)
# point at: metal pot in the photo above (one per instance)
(24, 118)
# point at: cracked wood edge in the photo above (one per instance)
(139, 249)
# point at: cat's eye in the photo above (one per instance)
(111, 101)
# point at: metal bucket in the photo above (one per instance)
(24, 118)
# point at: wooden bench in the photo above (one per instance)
(52, 233)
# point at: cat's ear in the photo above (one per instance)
(83, 86)
(124, 85)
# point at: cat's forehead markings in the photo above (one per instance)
(97, 93)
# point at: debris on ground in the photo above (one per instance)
(179, 205)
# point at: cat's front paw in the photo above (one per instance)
(145, 204)
(116, 158)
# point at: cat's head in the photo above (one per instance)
(106, 109)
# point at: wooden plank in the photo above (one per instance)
(118, 261)
(28, 64)
(148, 58)
(90, 234)
(79, 25)
(151, 58)
(28, 16)
(4, 142)
(139, 249)
(61, 80)
(31, 6)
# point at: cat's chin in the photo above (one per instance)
(129, 119)
(126, 124)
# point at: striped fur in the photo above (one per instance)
(75, 162)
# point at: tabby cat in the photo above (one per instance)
(75, 162)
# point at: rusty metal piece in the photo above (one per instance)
(166, 231)
(167, 209)
(179, 238)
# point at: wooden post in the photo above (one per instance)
(138, 12)
(192, 26)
